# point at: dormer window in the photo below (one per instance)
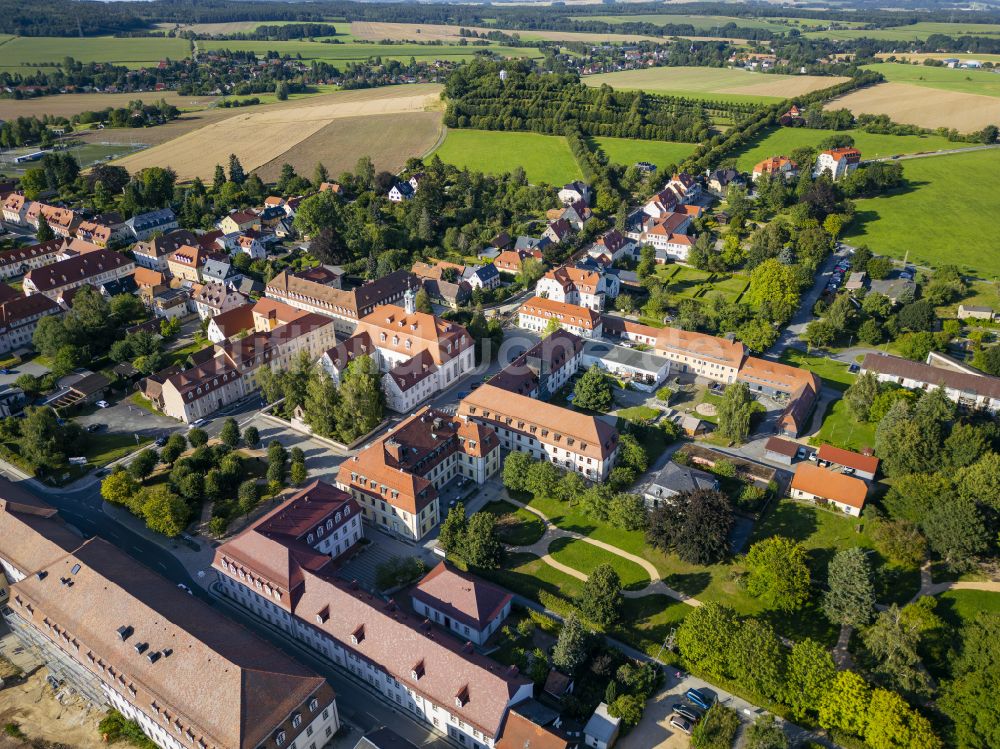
(313, 705)
(329, 523)
(279, 739)
(418, 670)
(296, 720)
(309, 538)
(358, 635)
(409, 343)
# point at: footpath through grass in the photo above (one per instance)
(544, 158)
(586, 557)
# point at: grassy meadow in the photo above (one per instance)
(707, 24)
(960, 80)
(19, 53)
(945, 214)
(545, 158)
(783, 140)
(911, 32)
(628, 151)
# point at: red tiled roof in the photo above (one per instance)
(462, 597)
(841, 457)
(832, 485)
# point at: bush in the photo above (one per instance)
(399, 571)
(664, 394)
(116, 727)
(717, 729)
(13, 730)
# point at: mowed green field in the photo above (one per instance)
(544, 158)
(946, 214)
(708, 24)
(133, 53)
(355, 52)
(628, 151)
(783, 140)
(912, 32)
(961, 80)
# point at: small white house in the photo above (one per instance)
(601, 731)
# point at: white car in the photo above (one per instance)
(103, 404)
(185, 588)
(197, 423)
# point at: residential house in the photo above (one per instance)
(396, 478)
(720, 180)
(144, 225)
(230, 374)
(334, 361)
(577, 214)
(898, 287)
(122, 637)
(601, 731)
(238, 222)
(829, 488)
(544, 368)
(62, 221)
(94, 268)
(521, 731)
(685, 187)
(643, 370)
(574, 192)
(568, 439)
(776, 166)
(974, 312)
(855, 281)
(118, 286)
(268, 314)
(558, 230)
(851, 463)
(482, 277)
(18, 261)
(214, 298)
(231, 324)
(401, 191)
(249, 245)
(333, 187)
(448, 293)
(188, 263)
(537, 312)
(155, 253)
(98, 234)
(470, 607)
(510, 261)
(673, 480)
(346, 307)
(572, 285)
(837, 162)
(218, 269)
(15, 209)
(19, 317)
(170, 303)
(969, 390)
(797, 388)
(613, 245)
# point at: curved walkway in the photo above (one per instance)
(930, 588)
(552, 532)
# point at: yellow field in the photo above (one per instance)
(67, 105)
(923, 106)
(265, 133)
(714, 81)
(429, 32)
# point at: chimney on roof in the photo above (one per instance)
(393, 450)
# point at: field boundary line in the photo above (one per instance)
(437, 144)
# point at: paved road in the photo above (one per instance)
(929, 154)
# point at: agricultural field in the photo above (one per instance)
(909, 220)
(354, 52)
(718, 84)
(426, 32)
(911, 32)
(263, 134)
(708, 24)
(921, 56)
(923, 106)
(960, 80)
(784, 140)
(67, 105)
(235, 27)
(21, 52)
(388, 141)
(629, 151)
(545, 158)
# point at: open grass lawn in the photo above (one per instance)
(911, 32)
(545, 158)
(824, 533)
(714, 84)
(586, 557)
(179, 355)
(908, 220)
(841, 429)
(133, 53)
(638, 413)
(529, 576)
(963, 80)
(835, 374)
(516, 526)
(783, 140)
(105, 447)
(647, 621)
(960, 606)
(690, 283)
(628, 151)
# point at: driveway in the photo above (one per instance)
(19, 369)
(125, 417)
(322, 460)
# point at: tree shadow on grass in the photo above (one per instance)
(691, 583)
(789, 519)
(809, 622)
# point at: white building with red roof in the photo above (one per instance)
(837, 162)
(586, 288)
(470, 607)
(537, 313)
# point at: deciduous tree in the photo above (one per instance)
(593, 390)
(778, 574)
(601, 598)
(696, 525)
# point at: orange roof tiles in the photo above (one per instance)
(841, 457)
(570, 314)
(831, 485)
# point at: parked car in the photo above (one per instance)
(197, 423)
(160, 441)
(801, 453)
(103, 404)
(680, 723)
(185, 588)
(700, 698)
(689, 712)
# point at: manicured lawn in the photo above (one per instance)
(905, 221)
(179, 355)
(638, 413)
(960, 606)
(544, 158)
(659, 152)
(647, 621)
(841, 429)
(965, 81)
(783, 140)
(586, 557)
(515, 526)
(105, 447)
(529, 576)
(834, 373)
(690, 283)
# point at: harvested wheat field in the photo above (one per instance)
(429, 32)
(265, 133)
(67, 105)
(923, 106)
(389, 139)
(713, 81)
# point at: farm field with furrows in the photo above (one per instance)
(783, 140)
(262, 135)
(389, 139)
(911, 32)
(544, 158)
(923, 106)
(908, 221)
(23, 52)
(960, 80)
(714, 83)
(628, 151)
(67, 105)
